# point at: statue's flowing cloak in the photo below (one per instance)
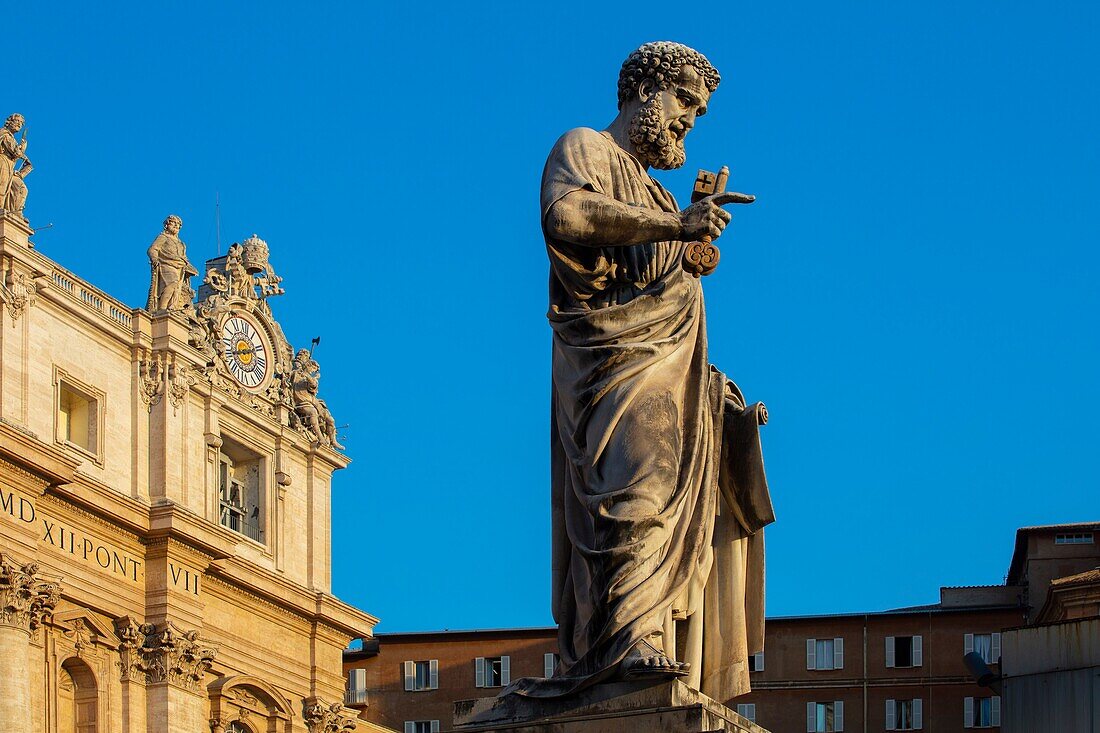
(168, 257)
(8, 159)
(658, 489)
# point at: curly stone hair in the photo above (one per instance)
(660, 61)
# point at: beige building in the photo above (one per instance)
(165, 480)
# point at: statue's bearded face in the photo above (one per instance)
(14, 123)
(173, 226)
(659, 126)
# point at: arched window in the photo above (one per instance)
(77, 698)
(238, 727)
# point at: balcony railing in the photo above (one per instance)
(355, 697)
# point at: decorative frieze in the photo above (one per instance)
(322, 717)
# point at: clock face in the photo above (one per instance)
(245, 351)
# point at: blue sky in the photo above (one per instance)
(913, 294)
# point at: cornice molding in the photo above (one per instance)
(28, 455)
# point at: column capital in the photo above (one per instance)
(323, 717)
(170, 654)
(25, 600)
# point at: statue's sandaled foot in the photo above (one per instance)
(646, 660)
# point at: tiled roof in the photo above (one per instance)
(1089, 576)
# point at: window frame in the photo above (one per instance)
(411, 667)
(973, 709)
(62, 379)
(834, 653)
(817, 710)
(416, 726)
(355, 689)
(970, 642)
(233, 442)
(916, 652)
(549, 664)
(1074, 538)
(916, 713)
(482, 668)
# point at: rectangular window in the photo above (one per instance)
(242, 490)
(421, 726)
(756, 662)
(492, 671)
(982, 712)
(549, 664)
(825, 653)
(824, 717)
(904, 651)
(747, 710)
(1076, 538)
(77, 417)
(988, 645)
(356, 692)
(904, 715)
(421, 675)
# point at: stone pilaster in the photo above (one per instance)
(131, 640)
(168, 437)
(175, 663)
(25, 603)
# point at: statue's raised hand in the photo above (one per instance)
(707, 218)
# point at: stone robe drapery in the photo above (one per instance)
(658, 490)
(171, 270)
(9, 156)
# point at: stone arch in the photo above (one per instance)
(254, 703)
(77, 698)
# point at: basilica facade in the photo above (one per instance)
(165, 481)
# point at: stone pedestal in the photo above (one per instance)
(622, 707)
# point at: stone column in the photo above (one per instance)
(25, 602)
(175, 663)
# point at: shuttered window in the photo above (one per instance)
(421, 675)
(825, 717)
(904, 651)
(982, 712)
(356, 693)
(492, 671)
(549, 664)
(988, 645)
(904, 715)
(825, 653)
(421, 726)
(747, 710)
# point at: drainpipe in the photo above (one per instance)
(864, 673)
